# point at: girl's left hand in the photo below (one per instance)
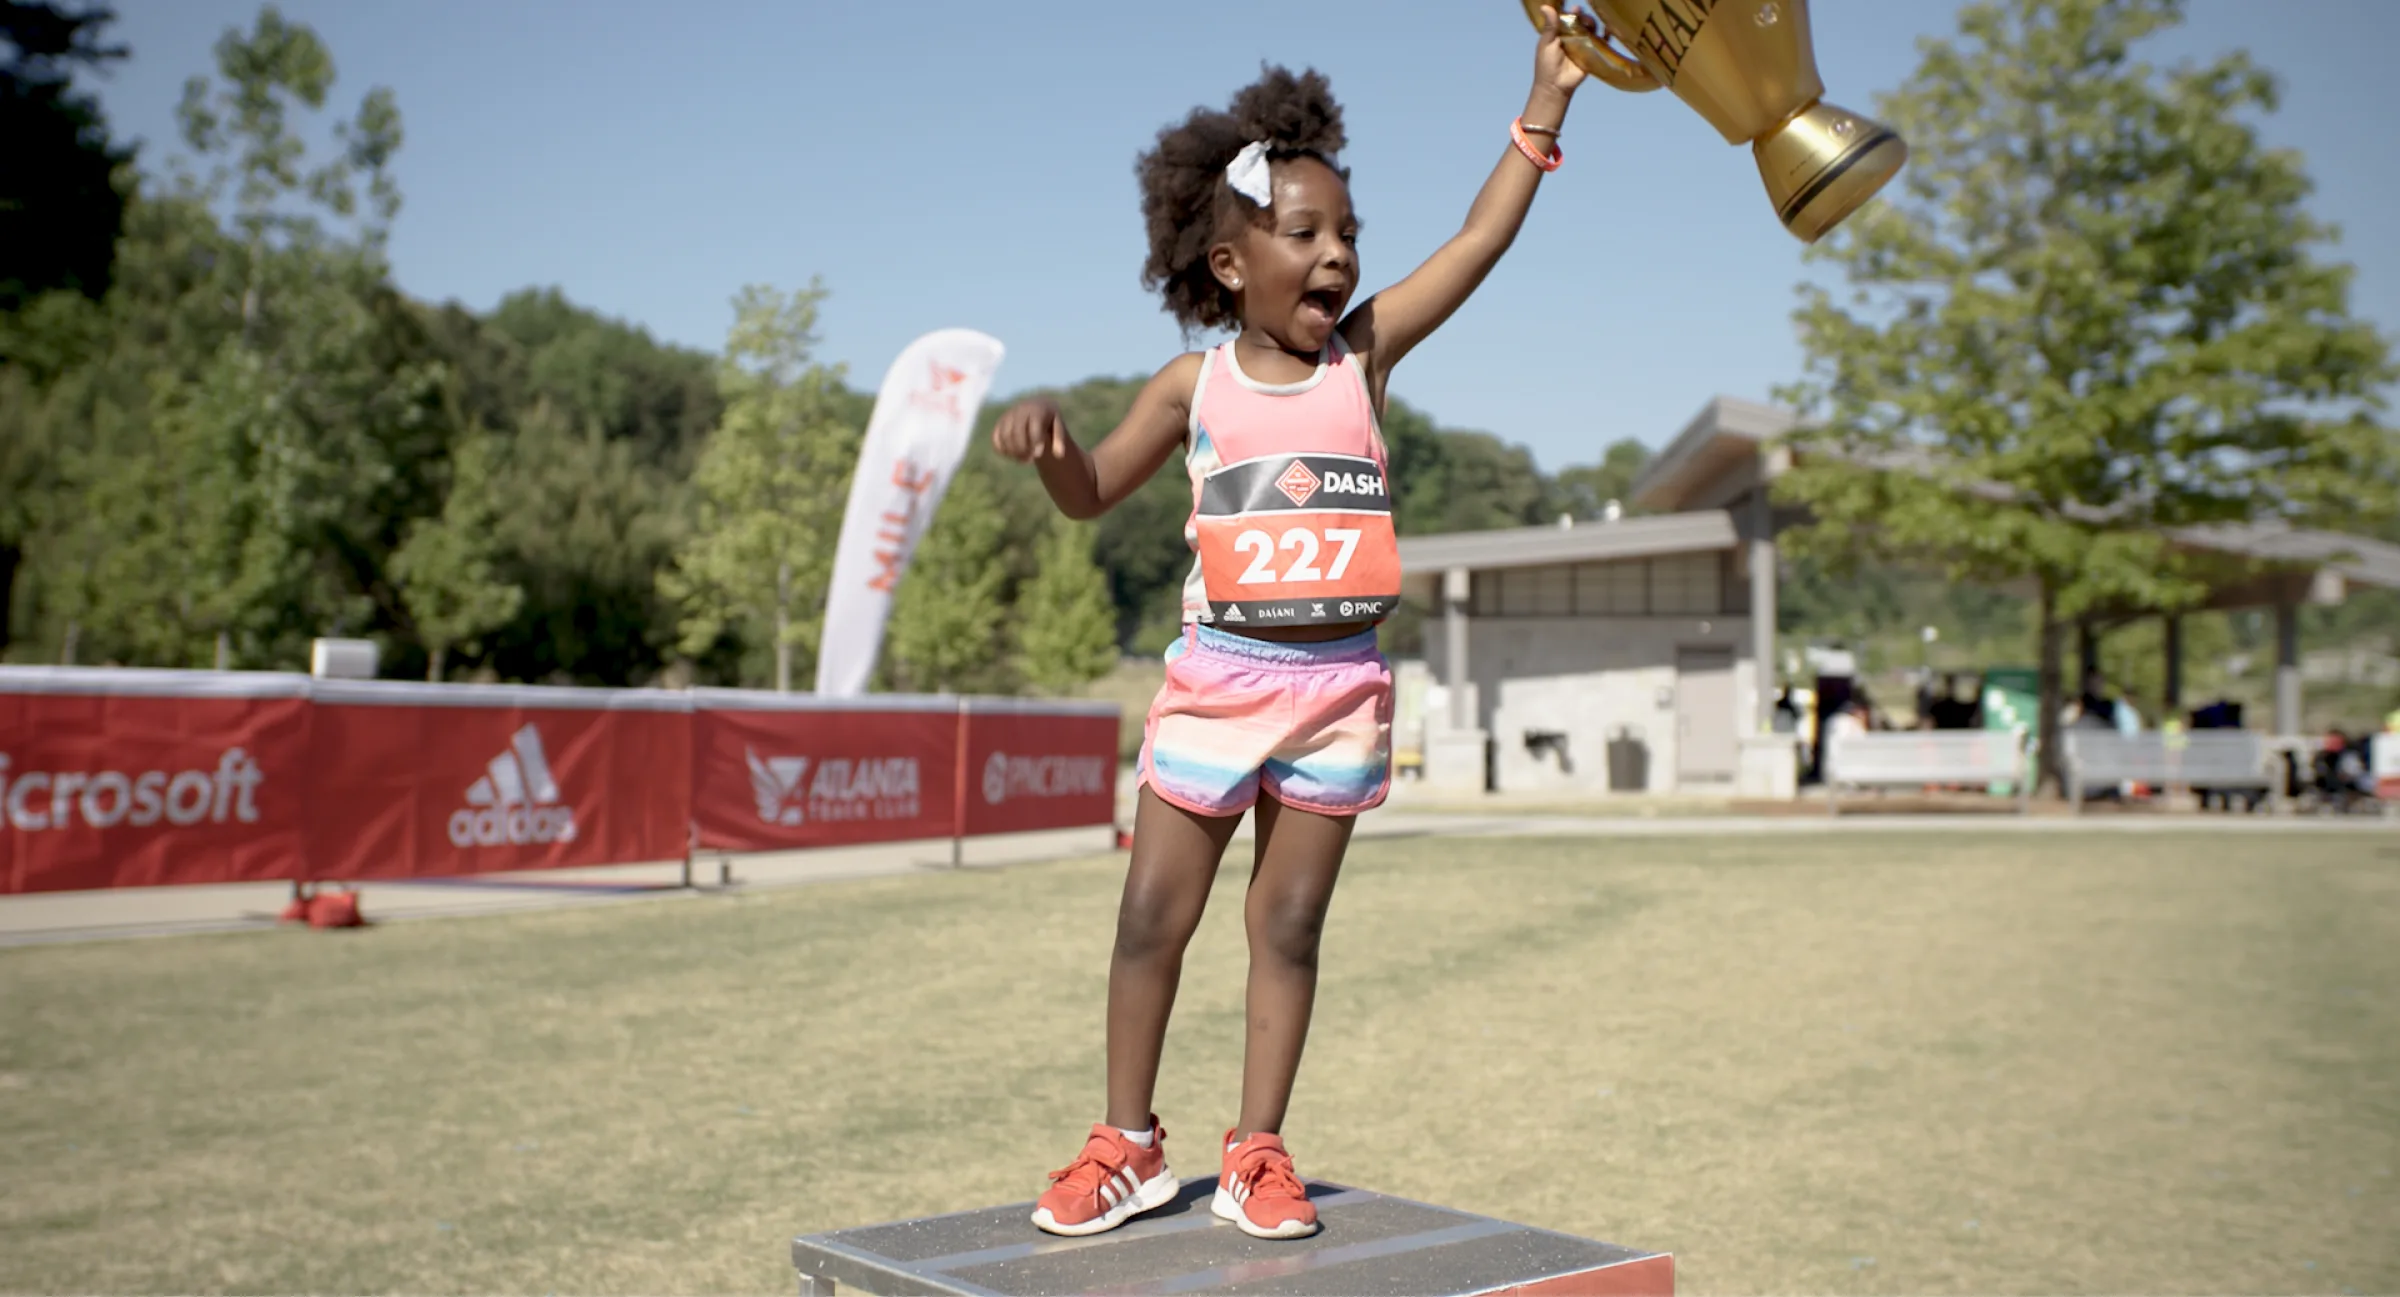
(1552, 68)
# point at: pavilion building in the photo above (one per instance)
(1637, 655)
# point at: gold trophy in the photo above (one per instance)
(1747, 66)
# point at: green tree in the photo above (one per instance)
(1585, 490)
(266, 386)
(445, 569)
(771, 488)
(2091, 311)
(610, 376)
(1450, 480)
(61, 202)
(1065, 625)
(944, 635)
(600, 427)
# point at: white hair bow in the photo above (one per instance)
(1247, 174)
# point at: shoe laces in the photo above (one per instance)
(1100, 1159)
(1269, 1173)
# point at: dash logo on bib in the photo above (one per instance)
(1297, 482)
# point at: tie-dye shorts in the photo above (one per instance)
(1311, 723)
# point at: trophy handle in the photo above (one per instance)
(1586, 43)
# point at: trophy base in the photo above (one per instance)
(1823, 164)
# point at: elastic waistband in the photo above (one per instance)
(1350, 648)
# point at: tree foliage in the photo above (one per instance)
(239, 433)
(1065, 627)
(2093, 312)
(61, 200)
(769, 489)
(446, 570)
(945, 633)
(244, 433)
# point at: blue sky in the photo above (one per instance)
(946, 163)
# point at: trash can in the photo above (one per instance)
(1628, 760)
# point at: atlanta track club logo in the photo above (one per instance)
(775, 783)
(515, 801)
(842, 789)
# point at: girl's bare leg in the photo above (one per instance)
(1175, 857)
(1291, 887)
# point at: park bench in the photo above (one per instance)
(2207, 761)
(1924, 759)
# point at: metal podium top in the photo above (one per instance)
(1369, 1246)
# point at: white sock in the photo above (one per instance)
(1140, 1138)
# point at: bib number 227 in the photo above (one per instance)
(1305, 548)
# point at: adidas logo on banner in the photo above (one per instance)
(1234, 613)
(515, 801)
(775, 782)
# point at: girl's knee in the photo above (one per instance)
(1152, 923)
(1289, 929)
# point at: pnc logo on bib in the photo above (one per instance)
(515, 801)
(1297, 482)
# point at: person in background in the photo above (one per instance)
(2097, 711)
(1951, 712)
(2128, 721)
(1857, 715)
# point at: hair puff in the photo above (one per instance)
(1186, 203)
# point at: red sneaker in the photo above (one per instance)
(1109, 1183)
(1259, 1191)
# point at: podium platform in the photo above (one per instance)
(1370, 1245)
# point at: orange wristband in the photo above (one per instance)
(1547, 162)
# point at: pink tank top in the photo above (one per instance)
(1291, 521)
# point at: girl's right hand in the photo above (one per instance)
(1031, 429)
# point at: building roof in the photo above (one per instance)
(1723, 440)
(1587, 542)
(1728, 447)
(2368, 562)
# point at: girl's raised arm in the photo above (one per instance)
(1390, 324)
(1085, 484)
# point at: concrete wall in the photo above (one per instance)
(1588, 677)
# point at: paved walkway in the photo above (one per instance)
(166, 911)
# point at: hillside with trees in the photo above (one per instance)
(224, 430)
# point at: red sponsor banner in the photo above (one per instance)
(774, 772)
(118, 778)
(1039, 765)
(114, 778)
(431, 781)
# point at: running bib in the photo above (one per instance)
(1298, 540)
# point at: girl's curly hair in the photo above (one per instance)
(1186, 203)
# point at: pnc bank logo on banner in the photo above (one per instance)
(55, 799)
(1005, 776)
(845, 789)
(515, 801)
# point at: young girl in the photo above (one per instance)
(1275, 696)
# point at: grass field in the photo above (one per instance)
(1975, 1063)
